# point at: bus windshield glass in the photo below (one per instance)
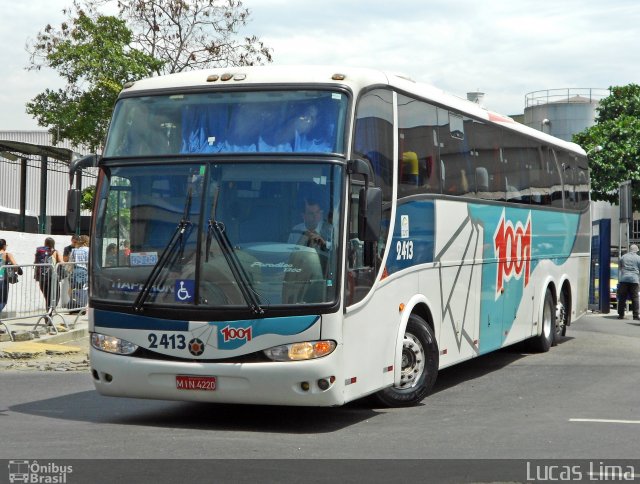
(296, 121)
(249, 235)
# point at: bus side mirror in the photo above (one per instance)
(72, 219)
(370, 214)
(80, 163)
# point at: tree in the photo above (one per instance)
(93, 54)
(86, 200)
(617, 130)
(192, 34)
(97, 54)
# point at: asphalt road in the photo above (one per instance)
(579, 401)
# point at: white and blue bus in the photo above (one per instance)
(312, 235)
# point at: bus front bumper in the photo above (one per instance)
(267, 383)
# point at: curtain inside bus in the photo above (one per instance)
(224, 122)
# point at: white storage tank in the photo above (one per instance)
(562, 112)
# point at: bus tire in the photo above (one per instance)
(545, 339)
(419, 366)
(564, 311)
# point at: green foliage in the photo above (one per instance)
(624, 100)
(88, 194)
(617, 130)
(97, 54)
(94, 56)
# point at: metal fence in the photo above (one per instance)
(48, 294)
(566, 95)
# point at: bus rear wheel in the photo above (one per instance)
(419, 366)
(545, 340)
(562, 321)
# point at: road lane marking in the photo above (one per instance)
(604, 420)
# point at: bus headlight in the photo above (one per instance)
(307, 350)
(111, 344)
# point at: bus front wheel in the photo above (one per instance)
(419, 366)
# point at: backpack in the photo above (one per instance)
(44, 255)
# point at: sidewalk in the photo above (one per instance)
(43, 342)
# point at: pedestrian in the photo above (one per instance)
(111, 256)
(65, 272)
(6, 258)
(80, 273)
(628, 282)
(46, 259)
(66, 253)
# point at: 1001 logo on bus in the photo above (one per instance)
(229, 333)
(512, 246)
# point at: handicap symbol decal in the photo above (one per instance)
(185, 290)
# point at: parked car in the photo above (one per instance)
(613, 285)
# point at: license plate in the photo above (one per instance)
(188, 382)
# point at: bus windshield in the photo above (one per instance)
(296, 121)
(217, 235)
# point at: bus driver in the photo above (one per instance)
(313, 231)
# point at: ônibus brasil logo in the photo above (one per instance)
(512, 246)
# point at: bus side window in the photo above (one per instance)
(418, 150)
(569, 171)
(373, 138)
(373, 141)
(485, 143)
(455, 154)
(582, 183)
(520, 156)
(554, 181)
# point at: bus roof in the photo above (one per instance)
(355, 78)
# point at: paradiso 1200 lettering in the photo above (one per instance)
(512, 248)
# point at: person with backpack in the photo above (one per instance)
(45, 272)
(6, 258)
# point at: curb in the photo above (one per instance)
(66, 337)
(45, 345)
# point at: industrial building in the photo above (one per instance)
(34, 179)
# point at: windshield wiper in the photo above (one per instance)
(242, 278)
(217, 229)
(169, 254)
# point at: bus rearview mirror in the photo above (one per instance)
(370, 213)
(72, 218)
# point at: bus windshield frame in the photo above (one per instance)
(244, 237)
(297, 120)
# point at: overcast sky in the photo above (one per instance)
(504, 48)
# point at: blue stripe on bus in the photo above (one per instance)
(553, 235)
(413, 239)
(112, 319)
(281, 326)
(284, 326)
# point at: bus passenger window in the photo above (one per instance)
(418, 151)
(458, 159)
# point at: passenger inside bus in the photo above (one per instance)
(410, 171)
